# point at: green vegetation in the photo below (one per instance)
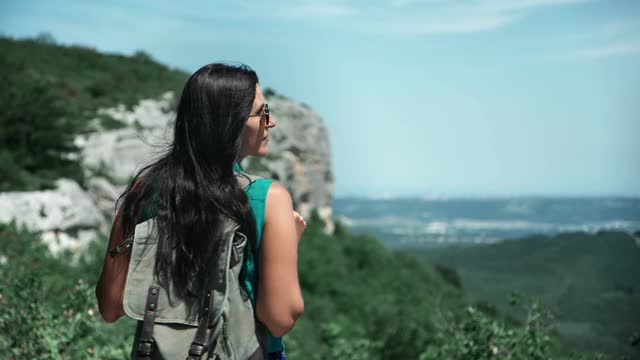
(361, 302)
(47, 307)
(36, 132)
(357, 292)
(269, 92)
(589, 280)
(107, 122)
(51, 92)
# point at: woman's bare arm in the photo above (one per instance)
(110, 288)
(279, 301)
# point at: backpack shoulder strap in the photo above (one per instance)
(245, 179)
(145, 342)
(200, 340)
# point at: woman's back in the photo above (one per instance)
(256, 191)
(221, 118)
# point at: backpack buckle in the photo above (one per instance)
(196, 350)
(145, 347)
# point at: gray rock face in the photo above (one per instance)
(119, 153)
(104, 195)
(299, 158)
(299, 155)
(68, 217)
(65, 208)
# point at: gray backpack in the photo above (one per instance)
(224, 328)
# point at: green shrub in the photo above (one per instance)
(48, 306)
(450, 275)
(36, 132)
(107, 122)
(477, 336)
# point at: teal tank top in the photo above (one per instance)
(257, 194)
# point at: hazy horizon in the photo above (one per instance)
(475, 196)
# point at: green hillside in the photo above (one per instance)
(591, 281)
(361, 302)
(85, 78)
(49, 94)
(351, 301)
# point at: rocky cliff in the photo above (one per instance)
(69, 216)
(299, 157)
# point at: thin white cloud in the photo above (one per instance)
(487, 4)
(389, 17)
(619, 27)
(520, 5)
(293, 9)
(601, 52)
(314, 10)
(606, 40)
(420, 26)
(609, 30)
(400, 3)
(399, 17)
(419, 17)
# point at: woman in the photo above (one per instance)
(221, 118)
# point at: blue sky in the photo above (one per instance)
(421, 97)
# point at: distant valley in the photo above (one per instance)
(577, 255)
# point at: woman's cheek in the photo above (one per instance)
(264, 148)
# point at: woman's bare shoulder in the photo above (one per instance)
(278, 190)
(278, 200)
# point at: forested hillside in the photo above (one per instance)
(589, 280)
(50, 93)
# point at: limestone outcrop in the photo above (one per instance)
(299, 158)
(70, 216)
(67, 216)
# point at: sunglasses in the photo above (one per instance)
(264, 113)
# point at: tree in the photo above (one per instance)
(36, 132)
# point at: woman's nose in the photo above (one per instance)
(272, 121)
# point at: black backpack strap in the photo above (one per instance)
(200, 339)
(145, 342)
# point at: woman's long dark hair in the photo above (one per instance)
(193, 182)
